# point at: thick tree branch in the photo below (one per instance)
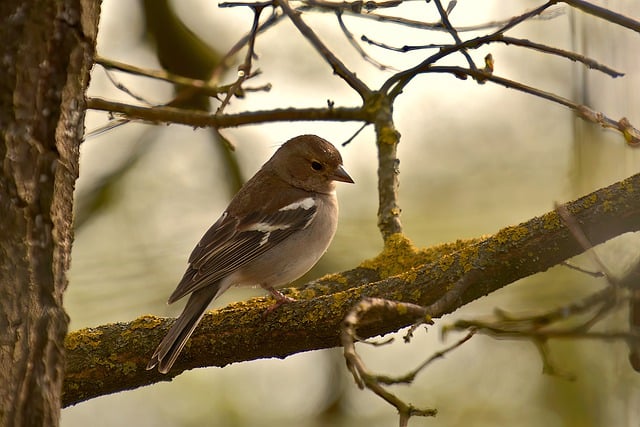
(112, 358)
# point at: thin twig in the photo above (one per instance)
(355, 134)
(338, 66)
(551, 13)
(244, 70)
(604, 13)
(452, 31)
(583, 240)
(405, 48)
(158, 74)
(499, 38)
(396, 83)
(411, 375)
(355, 6)
(226, 60)
(357, 46)
(595, 274)
(589, 62)
(630, 133)
(363, 378)
(121, 87)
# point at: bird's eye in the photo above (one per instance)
(317, 166)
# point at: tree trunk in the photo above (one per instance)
(46, 51)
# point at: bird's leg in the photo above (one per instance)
(279, 296)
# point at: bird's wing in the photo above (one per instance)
(230, 244)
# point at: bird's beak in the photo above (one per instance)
(341, 175)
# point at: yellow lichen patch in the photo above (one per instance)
(389, 135)
(402, 309)
(607, 206)
(398, 256)
(145, 322)
(334, 278)
(551, 221)
(306, 293)
(511, 234)
(467, 256)
(411, 275)
(445, 262)
(128, 368)
(82, 338)
(589, 201)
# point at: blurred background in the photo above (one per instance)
(474, 158)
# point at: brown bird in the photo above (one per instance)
(274, 230)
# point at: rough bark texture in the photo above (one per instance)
(46, 49)
(112, 358)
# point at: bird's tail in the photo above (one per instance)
(170, 347)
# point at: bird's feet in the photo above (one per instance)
(280, 299)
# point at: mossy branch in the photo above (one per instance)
(112, 358)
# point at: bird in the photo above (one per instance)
(274, 230)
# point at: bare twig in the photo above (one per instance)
(405, 48)
(338, 66)
(396, 83)
(454, 33)
(244, 70)
(589, 62)
(604, 13)
(630, 133)
(356, 133)
(227, 59)
(631, 281)
(411, 375)
(582, 270)
(499, 38)
(581, 238)
(121, 87)
(356, 7)
(363, 378)
(541, 328)
(159, 75)
(199, 119)
(551, 13)
(357, 46)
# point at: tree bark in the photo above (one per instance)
(46, 49)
